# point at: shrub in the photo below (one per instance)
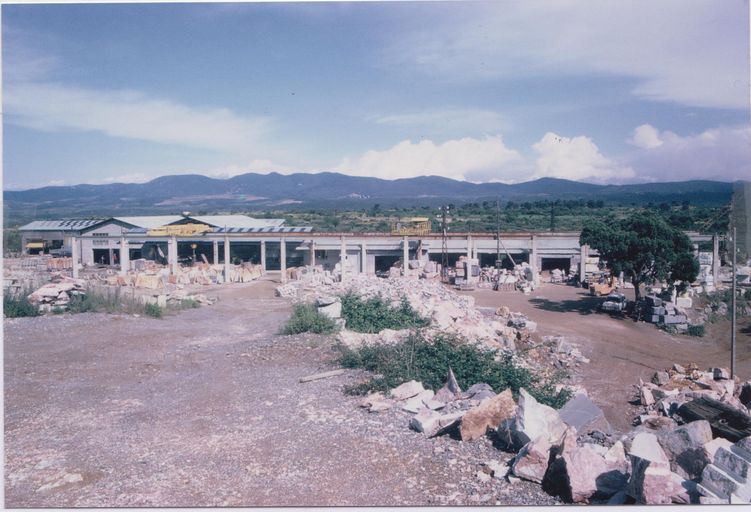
(307, 318)
(374, 314)
(428, 362)
(189, 304)
(152, 310)
(17, 305)
(696, 330)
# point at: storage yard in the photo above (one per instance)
(212, 406)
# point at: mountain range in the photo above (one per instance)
(256, 192)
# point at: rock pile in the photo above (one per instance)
(147, 274)
(57, 294)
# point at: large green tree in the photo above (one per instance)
(644, 247)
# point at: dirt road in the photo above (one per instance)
(205, 408)
(621, 351)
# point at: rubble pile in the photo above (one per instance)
(448, 311)
(57, 294)
(674, 455)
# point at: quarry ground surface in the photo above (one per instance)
(205, 408)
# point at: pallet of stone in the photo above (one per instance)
(726, 421)
(673, 319)
(653, 301)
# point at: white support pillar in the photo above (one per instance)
(263, 256)
(469, 247)
(405, 256)
(584, 254)
(312, 253)
(111, 256)
(216, 252)
(533, 261)
(74, 253)
(715, 259)
(283, 258)
(124, 256)
(342, 258)
(227, 262)
(364, 257)
(172, 255)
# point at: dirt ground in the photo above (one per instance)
(621, 351)
(205, 408)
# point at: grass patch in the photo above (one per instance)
(189, 304)
(428, 362)
(696, 330)
(307, 318)
(152, 310)
(374, 314)
(16, 305)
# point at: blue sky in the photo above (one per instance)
(607, 92)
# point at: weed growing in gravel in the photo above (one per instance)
(307, 318)
(428, 362)
(374, 314)
(16, 305)
(152, 310)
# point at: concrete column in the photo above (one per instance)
(172, 255)
(283, 258)
(696, 250)
(533, 261)
(227, 263)
(216, 252)
(312, 253)
(364, 258)
(469, 246)
(74, 255)
(342, 258)
(405, 256)
(124, 256)
(584, 254)
(112, 256)
(263, 256)
(715, 259)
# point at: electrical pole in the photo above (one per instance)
(444, 244)
(497, 234)
(732, 316)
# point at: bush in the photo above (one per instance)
(152, 310)
(421, 360)
(696, 330)
(17, 306)
(307, 318)
(189, 304)
(374, 314)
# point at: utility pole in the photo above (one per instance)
(444, 244)
(732, 317)
(497, 234)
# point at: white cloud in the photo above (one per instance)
(689, 52)
(453, 119)
(131, 114)
(576, 158)
(722, 153)
(646, 136)
(135, 177)
(452, 159)
(259, 166)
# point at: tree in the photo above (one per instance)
(644, 247)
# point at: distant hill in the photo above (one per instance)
(254, 192)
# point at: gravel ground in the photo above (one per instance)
(205, 408)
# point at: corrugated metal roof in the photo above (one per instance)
(150, 222)
(282, 229)
(60, 225)
(236, 221)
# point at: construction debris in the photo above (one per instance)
(57, 294)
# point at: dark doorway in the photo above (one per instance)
(553, 263)
(385, 262)
(102, 256)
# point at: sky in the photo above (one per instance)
(506, 91)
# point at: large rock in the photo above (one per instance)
(651, 481)
(579, 473)
(532, 420)
(531, 463)
(684, 446)
(451, 390)
(406, 390)
(432, 423)
(582, 414)
(332, 310)
(489, 414)
(418, 402)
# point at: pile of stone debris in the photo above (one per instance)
(149, 275)
(57, 293)
(575, 454)
(448, 311)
